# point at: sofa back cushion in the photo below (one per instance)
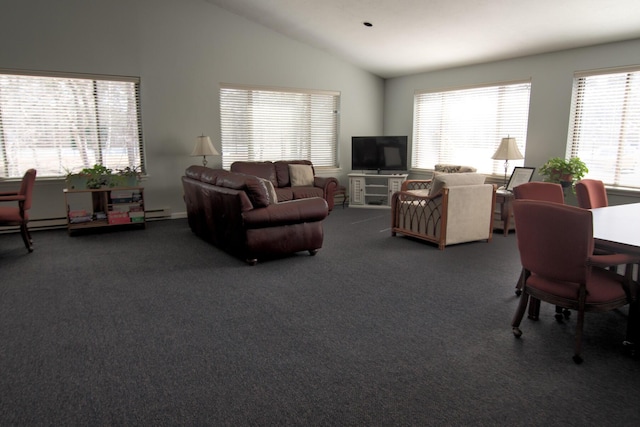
(254, 187)
(264, 170)
(282, 171)
(455, 179)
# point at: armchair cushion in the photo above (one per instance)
(455, 179)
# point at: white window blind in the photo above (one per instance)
(465, 126)
(605, 126)
(60, 123)
(271, 124)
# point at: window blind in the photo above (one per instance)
(59, 123)
(604, 130)
(465, 126)
(259, 124)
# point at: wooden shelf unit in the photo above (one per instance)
(104, 207)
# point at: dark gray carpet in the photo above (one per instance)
(156, 327)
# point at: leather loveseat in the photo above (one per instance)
(292, 179)
(237, 213)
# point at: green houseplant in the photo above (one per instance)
(76, 180)
(99, 176)
(564, 171)
(127, 177)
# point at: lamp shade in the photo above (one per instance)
(508, 150)
(204, 147)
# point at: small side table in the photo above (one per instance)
(341, 190)
(504, 199)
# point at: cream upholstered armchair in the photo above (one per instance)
(449, 209)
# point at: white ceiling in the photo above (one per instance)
(411, 36)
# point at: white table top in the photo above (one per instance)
(618, 227)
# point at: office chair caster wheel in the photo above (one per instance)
(518, 292)
(516, 332)
(566, 313)
(577, 359)
(559, 317)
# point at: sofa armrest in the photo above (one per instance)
(291, 212)
(329, 186)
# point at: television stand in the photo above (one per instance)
(373, 190)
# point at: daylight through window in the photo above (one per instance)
(605, 126)
(260, 124)
(465, 126)
(61, 123)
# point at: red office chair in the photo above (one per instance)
(18, 214)
(556, 250)
(547, 192)
(591, 194)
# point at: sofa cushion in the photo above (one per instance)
(455, 179)
(282, 171)
(284, 194)
(252, 185)
(265, 170)
(195, 171)
(301, 175)
(306, 192)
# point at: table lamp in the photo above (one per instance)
(204, 147)
(508, 150)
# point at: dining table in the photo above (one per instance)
(617, 228)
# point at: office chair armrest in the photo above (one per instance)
(11, 198)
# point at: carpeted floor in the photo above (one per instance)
(156, 327)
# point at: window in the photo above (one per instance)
(605, 126)
(60, 123)
(465, 126)
(277, 124)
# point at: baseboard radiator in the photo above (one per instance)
(61, 222)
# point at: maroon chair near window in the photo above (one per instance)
(547, 192)
(556, 250)
(591, 194)
(18, 214)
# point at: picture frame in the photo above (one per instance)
(520, 175)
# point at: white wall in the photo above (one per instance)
(182, 50)
(551, 84)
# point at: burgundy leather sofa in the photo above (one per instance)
(235, 212)
(278, 174)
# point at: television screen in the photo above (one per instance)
(379, 153)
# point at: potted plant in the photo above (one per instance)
(98, 176)
(564, 171)
(128, 176)
(76, 180)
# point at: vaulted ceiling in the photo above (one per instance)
(411, 36)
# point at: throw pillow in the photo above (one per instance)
(271, 191)
(301, 175)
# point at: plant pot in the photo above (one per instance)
(77, 182)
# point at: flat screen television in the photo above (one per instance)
(379, 153)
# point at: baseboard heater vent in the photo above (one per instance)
(157, 214)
